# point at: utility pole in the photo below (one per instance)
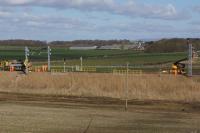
(27, 53)
(81, 63)
(190, 52)
(126, 91)
(49, 58)
(64, 65)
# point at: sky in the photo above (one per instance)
(50, 20)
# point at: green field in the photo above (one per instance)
(91, 57)
(151, 62)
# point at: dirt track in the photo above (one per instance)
(53, 114)
(98, 101)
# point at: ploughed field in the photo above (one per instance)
(55, 114)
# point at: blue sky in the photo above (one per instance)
(99, 19)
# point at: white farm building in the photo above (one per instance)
(83, 48)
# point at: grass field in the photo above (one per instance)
(94, 102)
(148, 62)
(91, 57)
(91, 102)
(142, 87)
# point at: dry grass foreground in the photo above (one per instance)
(141, 87)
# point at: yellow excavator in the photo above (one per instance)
(15, 65)
(178, 67)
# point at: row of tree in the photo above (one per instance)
(88, 43)
(171, 45)
(161, 46)
(62, 43)
(22, 43)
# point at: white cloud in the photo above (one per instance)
(167, 12)
(136, 27)
(4, 13)
(18, 17)
(54, 22)
(196, 8)
(128, 8)
(34, 23)
(17, 2)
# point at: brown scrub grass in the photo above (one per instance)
(140, 87)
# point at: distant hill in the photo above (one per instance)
(80, 43)
(20, 42)
(63, 43)
(171, 45)
(160, 46)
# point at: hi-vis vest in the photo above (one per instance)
(26, 62)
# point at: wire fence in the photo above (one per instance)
(106, 69)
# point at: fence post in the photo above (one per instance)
(64, 65)
(81, 59)
(190, 56)
(126, 91)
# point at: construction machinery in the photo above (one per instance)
(4, 65)
(15, 65)
(178, 67)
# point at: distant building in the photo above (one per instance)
(111, 47)
(83, 48)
